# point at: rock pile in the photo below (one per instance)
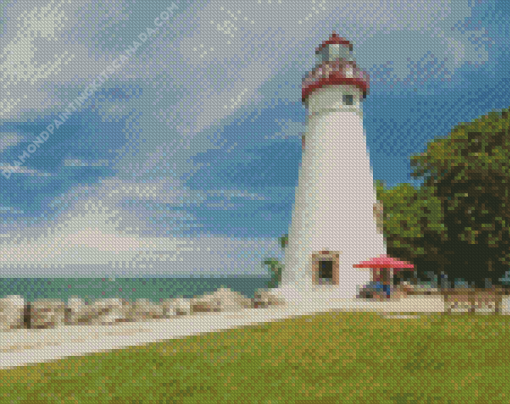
(222, 300)
(45, 313)
(263, 298)
(12, 312)
(51, 313)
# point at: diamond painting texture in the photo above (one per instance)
(173, 169)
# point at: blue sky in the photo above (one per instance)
(185, 160)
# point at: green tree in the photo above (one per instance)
(412, 226)
(275, 267)
(457, 222)
(470, 173)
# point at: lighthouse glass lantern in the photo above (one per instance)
(334, 52)
(333, 226)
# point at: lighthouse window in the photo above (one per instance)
(348, 99)
(325, 271)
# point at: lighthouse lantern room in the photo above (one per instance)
(333, 225)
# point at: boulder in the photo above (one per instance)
(12, 311)
(112, 316)
(225, 299)
(144, 309)
(177, 306)
(109, 311)
(204, 304)
(77, 312)
(264, 298)
(46, 313)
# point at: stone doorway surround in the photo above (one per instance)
(325, 256)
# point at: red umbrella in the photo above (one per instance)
(384, 261)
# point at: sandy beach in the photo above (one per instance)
(24, 347)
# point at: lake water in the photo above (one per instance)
(152, 288)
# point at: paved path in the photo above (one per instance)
(23, 347)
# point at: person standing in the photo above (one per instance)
(386, 280)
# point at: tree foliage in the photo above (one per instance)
(412, 226)
(275, 267)
(458, 221)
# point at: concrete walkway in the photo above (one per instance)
(24, 347)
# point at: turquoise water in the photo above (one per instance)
(154, 289)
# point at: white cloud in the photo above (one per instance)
(289, 129)
(23, 171)
(38, 56)
(92, 240)
(97, 232)
(9, 140)
(17, 67)
(251, 41)
(232, 50)
(112, 191)
(8, 209)
(83, 163)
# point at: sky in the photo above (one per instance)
(185, 157)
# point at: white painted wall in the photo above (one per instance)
(333, 209)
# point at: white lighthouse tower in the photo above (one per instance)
(333, 225)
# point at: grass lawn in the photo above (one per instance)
(326, 358)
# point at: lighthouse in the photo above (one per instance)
(333, 222)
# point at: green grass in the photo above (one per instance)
(325, 358)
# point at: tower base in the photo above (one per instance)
(302, 291)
